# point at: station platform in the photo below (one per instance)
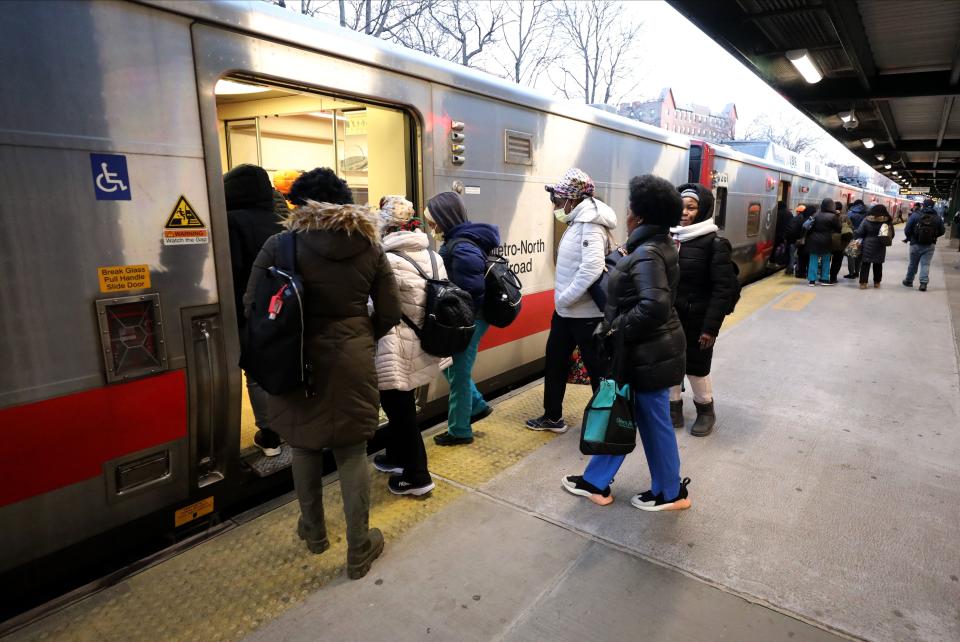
(826, 506)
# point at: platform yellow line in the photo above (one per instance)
(757, 295)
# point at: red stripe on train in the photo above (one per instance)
(58, 442)
(535, 314)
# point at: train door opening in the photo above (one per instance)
(290, 131)
(783, 195)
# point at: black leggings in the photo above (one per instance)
(565, 335)
(865, 271)
(404, 443)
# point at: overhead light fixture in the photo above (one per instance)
(800, 58)
(896, 173)
(867, 142)
(881, 157)
(887, 166)
(847, 116)
(233, 88)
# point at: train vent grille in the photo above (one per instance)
(517, 148)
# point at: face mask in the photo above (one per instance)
(560, 215)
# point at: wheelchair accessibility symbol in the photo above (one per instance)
(110, 179)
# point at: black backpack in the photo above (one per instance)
(927, 228)
(502, 297)
(272, 353)
(735, 286)
(448, 322)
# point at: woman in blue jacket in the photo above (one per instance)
(466, 263)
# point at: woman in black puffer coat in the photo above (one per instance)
(873, 244)
(704, 297)
(641, 325)
(820, 242)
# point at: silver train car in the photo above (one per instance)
(121, 402)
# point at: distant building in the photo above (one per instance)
(696, 121)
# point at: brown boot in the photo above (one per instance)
(676, 413)
(863, 286)
(360, 560)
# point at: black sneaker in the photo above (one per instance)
(680, 502)
(541, 423)
(849, 276)
(646, 498)
(268, 442)
(577, 485)
(906, 284)
(923, 287)
(381, 463)
(483, 414)
(446, 439)
(399, 486)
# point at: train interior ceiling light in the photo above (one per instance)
(800, 58)
(233, 88)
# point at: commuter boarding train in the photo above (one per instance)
(121, 403)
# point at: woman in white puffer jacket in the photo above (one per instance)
(402, 364)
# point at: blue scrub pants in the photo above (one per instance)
(652, 414)
(824, 261)
(465, 400)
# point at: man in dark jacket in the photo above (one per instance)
(251, 220)
(819, 243)
(464, 252)
(923, 229)
(856, 214)
(792, 234)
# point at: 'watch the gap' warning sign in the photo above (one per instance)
(184, 227)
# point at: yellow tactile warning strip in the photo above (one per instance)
(226, 587)
(795, 301)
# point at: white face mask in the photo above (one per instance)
(560, 215)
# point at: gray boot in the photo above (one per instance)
(676, 413)
(703, 426)
(360, 559)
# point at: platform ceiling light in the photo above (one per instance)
(233, 88)
(881, 157)
(800, 58)
(867, 142)
(887, 166)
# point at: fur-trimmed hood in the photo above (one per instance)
(879, 218)
(337, 232)
(352, 220)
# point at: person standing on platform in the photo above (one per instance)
(804, 212)
(580, 262)
(342, 265)
(876, 233)
(704, 296)
(251, 220)
(641, 325)
(402, 364)
(856, 214)
(791, 235)
(464, 252)
(826, 223)
(923, 229)
(839, 243)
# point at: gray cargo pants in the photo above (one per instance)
(354, 486)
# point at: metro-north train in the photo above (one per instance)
(121, 402)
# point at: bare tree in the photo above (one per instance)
(307, 7)
(527, 30)
(459, 30)
(793, 133)
(600, 38)
(382, 18)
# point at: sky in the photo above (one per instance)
(672, 52)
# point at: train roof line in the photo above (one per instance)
(263, 19)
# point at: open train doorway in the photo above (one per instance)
(783, 195)
(288, 131)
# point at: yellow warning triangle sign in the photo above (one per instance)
(183, 216)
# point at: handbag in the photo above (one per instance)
(608, 424)
(853, 249)
(886, 234)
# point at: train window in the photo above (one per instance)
(696, 160)
(367, 145)
(753, 219)
(720, 207)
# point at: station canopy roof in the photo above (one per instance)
(894, 63)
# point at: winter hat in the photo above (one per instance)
(928, 202)
(827, 205)
(575, 184)
(397, 213)
(248, 186)
(447, 210)
(702, 195)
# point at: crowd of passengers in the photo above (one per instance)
(816, 238)
(644, 306)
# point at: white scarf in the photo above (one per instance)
(683, 234)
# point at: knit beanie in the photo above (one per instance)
(397, 213)
(447, 210)
(702, 195)
(828, 205)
